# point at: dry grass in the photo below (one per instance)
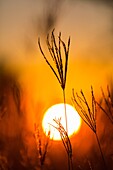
(108, 102)
(65, 140)
(55, 54)
(60, 73)
(88, 114)
(42, 147)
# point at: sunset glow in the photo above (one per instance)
(57, 111)
(56, 84)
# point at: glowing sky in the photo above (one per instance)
(89, 24)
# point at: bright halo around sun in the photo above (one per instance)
(57, 111)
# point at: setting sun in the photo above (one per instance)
(56, 112)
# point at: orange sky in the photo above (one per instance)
(90, 58)
(89, 24)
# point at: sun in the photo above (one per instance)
(57, 111)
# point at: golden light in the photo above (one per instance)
(57, 111)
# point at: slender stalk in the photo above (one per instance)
(107, 113)
(104, 163)
(42, 146)
(70, 162)
(64, 96)
(60, 72)
(88, 114)
(108, 103)
(69, 166)
(66, 141)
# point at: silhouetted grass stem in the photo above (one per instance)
(59, 68)
(104, 163)
(65, 140)
(88, 114)
(65, 110)
(70, 162)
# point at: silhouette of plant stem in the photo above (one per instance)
(108, 103)
(56, 55)
(100, 149)
(60, 70)
(42, 146)
(88, 115)
(65, 140)
(65, 110)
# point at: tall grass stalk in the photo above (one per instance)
(108, 103)
(64, 98)
(42, 147)
(60, 70)
(65, 140)
(88, 115)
